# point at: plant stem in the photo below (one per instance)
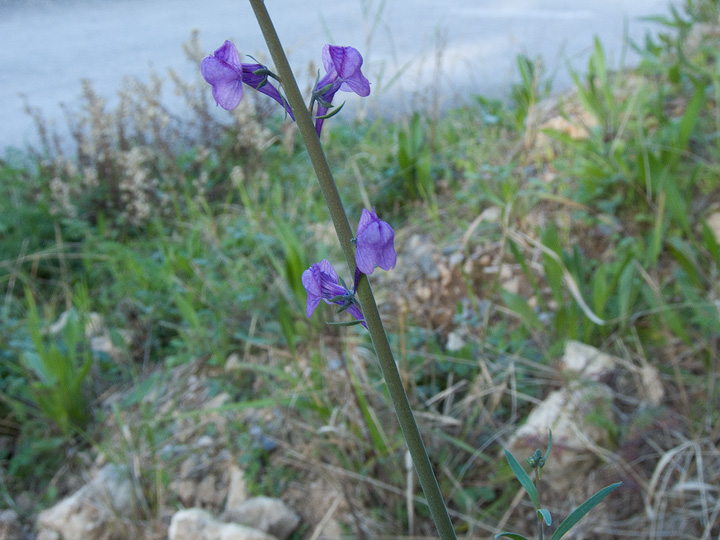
(367, 300)
(541, 532)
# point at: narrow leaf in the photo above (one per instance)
(512, 536)
(349, 323)
(522, 477)
(581, 510)
(544, 514)
(330, 114)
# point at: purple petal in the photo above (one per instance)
(328, 61)
(375, 243)
(229, 54)
(365, 260)
(328, 269)
(312, 303)
(346, 62)
(321, 283)
(387, 257)
(366, 218)
(357, 84)
(225, 80)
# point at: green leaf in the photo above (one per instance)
(690, 118)
(522, 477)
(331, 114)
(513, 536)
(627, 290)
(685, 256)
(601, 290)
(581, 510)
(519, 305)
(544, 514)
(552, 268)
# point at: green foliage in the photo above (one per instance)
(414, 159)
(597, 92)
(623, 255)
(641, 183)
(526, 94)
(57, 370)
(543, 515)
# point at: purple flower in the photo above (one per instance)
(224, 71)
(375, 243)
(322, 283)
(342, 65)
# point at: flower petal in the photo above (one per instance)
(229, 54)
(262, 85)
(226, 82)
(375, 243)
(347, 62)
(357, 313)
(312, 303)
(365, 260)
(357, 84)
(366, 218)
(328, 63)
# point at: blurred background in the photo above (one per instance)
(47, 46)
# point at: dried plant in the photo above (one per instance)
(129, 162)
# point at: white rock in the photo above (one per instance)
(47, 534)
(197, 524)
(94, 324)
(233, 362)
(587, 361)
(266, 514)
(94, 511)
(455, 342)
(237, 490)
(651, 385)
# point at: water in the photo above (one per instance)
(48, 46)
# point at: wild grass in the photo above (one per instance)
(520, 226)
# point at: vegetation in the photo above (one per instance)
(164, 251)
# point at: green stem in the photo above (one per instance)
(367, 300)
(541, 532)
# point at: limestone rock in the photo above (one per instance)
(94, 512)
(651, 385)
(586, 361)
(197, 524)
(237, 490)
(266, 514)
